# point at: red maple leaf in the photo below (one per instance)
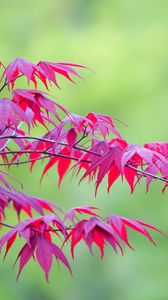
(93, 231)
(43, 71)
(71, 213)
(120, 224)
(36, 232)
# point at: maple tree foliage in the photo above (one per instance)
(90, 146)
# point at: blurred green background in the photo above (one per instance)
(125, 43)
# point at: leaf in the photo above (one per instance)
(60, 256)
(20, 66)
(37, 234)
(6, 182)
(38, 103)
(71, 137)
(105, 159)
(52, 161)
(43, 71)
(10, 114)
(6, 237)
(26, 202)
(102, 124)
(93, 231)
(10, 243)
(64, 69)
(44, 252)
(120, 224)
(71, 213)
(113, 174)
(93, 124)
(44, 255)
(63, 166)
(56, 221)
(25, 254)
(130, 177)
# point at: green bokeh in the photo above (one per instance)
(125, 43)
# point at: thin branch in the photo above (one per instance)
(48, 230)
(24, 161)
(42, 139)
(2, 64)
(6, 83)
(3, 130)
(83, 137)
(3, 86)
(40, 152)
(6, 225)
(144, 173)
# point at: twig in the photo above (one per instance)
(6, 83)
(144, 173)
(47, 230)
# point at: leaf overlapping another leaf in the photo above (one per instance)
(91, 144)
(24, 202)
(36, 233)
(43, 71)
(112, 230)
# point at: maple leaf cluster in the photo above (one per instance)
(91, 146)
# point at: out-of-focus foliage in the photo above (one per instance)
(125, 43)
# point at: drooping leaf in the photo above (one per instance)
(20, 66)
(71, 213)
(11, 114)
(25, 254)
(37, 102)
(93, 231)
(120, 224)
(25, 202)
(44, 255)
(51, 69)
(37, 234)
(63, 166)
